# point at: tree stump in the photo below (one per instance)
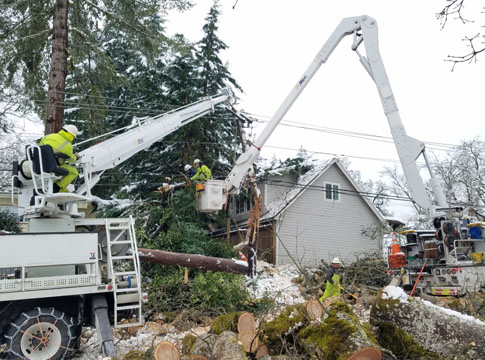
(249, 340)
(367, 353)
(246, 322)
(262, 351)
(165, 350)
(314, 309)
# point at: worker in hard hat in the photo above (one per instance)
(189, 171)
(202, 173)
(332, 288)
(61, 143)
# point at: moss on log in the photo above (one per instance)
(337, 337)
(426, 331)
(226, 322)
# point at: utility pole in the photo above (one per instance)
(58, 69)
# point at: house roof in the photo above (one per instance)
(304, 182)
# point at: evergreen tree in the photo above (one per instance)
(183, 76)
(25, 29)
(217, 138)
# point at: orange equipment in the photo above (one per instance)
(396, 259)
(243, 257)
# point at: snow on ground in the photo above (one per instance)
(146, 337)
(276, 283)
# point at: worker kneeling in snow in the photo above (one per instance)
(202, 173)
(332, 288)
(61, 143)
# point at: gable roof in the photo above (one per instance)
(307, 180)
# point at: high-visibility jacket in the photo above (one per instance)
(61, 142)
(332, 288)
(203, 173)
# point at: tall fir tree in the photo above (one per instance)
(25, 30)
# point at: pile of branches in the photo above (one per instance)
(369, 269)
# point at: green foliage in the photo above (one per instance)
(177, 227)
(219, 292)
(25, 31)
(8, 222)
(209, 292)
(168, 293)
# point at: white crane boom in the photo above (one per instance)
(364, 29)
(114, 151)
(37, 197)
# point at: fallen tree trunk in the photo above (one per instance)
(192, 261)
(417, 328)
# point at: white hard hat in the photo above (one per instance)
(71, 129)
(187, 167)
(196, 161)
(335, 260)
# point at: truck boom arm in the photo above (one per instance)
(364, 29)
(110, 153)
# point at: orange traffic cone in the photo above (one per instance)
(396, 259)
(395, 246)
(243, 258)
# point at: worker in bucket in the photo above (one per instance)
(332, 288)
(189, 171)
(61, 143)
(202, 173)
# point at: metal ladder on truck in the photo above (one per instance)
(124, 270)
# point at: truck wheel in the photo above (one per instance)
(40, 334)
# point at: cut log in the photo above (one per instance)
(314, 309)
(249, 340)
(262, 351)
(192, 261)
(227, 347)
(166, 351)
(408, 323)
(246, 322)
(367, 353)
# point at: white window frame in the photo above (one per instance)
(246, 205)
(332, 184)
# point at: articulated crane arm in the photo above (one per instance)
(110, 153)
(37, 197)
(363, 29)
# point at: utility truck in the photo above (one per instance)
(449, 258)
(68, 270)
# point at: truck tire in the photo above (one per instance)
(40, 334)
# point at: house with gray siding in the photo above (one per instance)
(319, 215)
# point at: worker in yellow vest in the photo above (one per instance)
(61, 142)
(203, 173)
(332, 288)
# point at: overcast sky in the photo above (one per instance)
(272, 42)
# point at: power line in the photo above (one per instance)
(343, 132)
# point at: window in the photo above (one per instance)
(332, 192)
(241, 203)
